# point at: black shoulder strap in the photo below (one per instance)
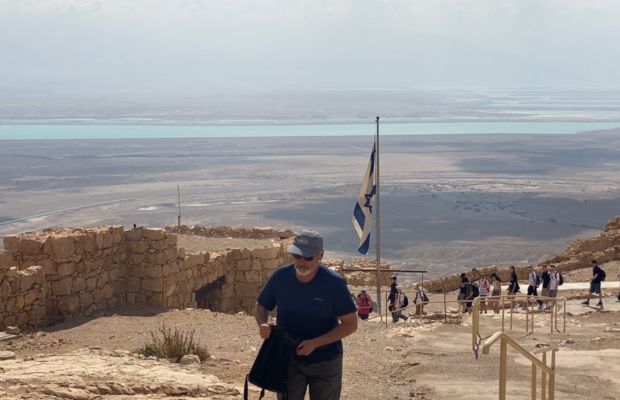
(246, 392)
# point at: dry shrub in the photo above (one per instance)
(173, 344)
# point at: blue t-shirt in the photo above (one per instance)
(309, 310)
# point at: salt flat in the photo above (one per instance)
(448, 201)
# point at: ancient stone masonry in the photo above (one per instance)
(51, 276)
(227, 231)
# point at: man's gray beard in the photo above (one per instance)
(303, 272)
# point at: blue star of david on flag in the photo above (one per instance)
(362, 214)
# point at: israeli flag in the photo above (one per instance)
(362, 215)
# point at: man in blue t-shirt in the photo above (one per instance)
(314, 304)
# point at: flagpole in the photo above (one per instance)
(378, 213)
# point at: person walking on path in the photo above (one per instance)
(400, 301)
(533, 281)
(598, 275)
(484, 285)
(496, 292)
(364, 305)
(546, 280)
(314, 304)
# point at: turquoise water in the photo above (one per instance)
(51, 132)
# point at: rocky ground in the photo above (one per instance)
(418, 359)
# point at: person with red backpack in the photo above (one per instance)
(364, 305)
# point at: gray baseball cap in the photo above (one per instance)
(306, 244)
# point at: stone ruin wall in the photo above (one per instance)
(604, 247)
(228, 231)
(52, 276)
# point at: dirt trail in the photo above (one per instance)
(418, 359)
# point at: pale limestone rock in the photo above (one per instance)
(189, 359)
(154, 233)
(13, 330)
(7, 355)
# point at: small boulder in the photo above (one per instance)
(7, 355)
(13, 330)
(190, 359)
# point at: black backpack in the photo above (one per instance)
(561, 279)
(270, 368)
(602, 275)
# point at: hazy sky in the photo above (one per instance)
(183, 46)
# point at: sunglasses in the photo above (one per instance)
(298, 257)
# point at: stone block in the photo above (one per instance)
(171, 241)
(154, 272)
(136, 258)
(10, 243)
(134, 234)
(79, 284)
(30, 298)
(62, 287)
(5, 289)
(133, 284)
(115, 273)
(170, 289)
(63, 246)
(69, 304)
(153, 285)
(66, 269)
(194, 260)
(244, 264)
(29, 247)
(154, 233)
(38, 313)
(90, 244)
(91, 284)
(98, 295)
(108, 239)
(117, 233)
(131, 299)
(26, 280)
(252, 277)
(86, 300)
(140, 298)
(19, 302)
(6, 259)
(138, 246)
(108, 291)
(155, 300)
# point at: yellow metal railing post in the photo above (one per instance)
(543, 385)
(533, 384)
(502, 297)
(552, 377)
(503, 359)
(551, 316)
(527, 314)
(564, 314)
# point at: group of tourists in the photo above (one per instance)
(547, 278)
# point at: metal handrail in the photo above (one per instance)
(546, 370)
